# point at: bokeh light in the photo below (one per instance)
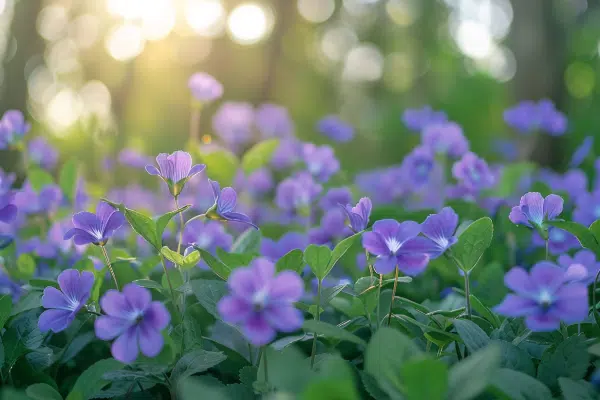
(250, 23)
(363, 63)
(474, 39)
(63, 111)
(316, 11)
(402, 12)
(580, 79)
(52, 22)
(125, 42)
(205, 17)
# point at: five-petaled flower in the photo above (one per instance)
(261, 302)
(175, 169)
(95, 228)
(358, 216)
(8, 211)
(533, 211)
(439, 230)
(225, 202)
(134, 320)
(545, 296)
(64, 304)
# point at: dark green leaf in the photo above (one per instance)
(281, 376)
(335, 381)
(171, 255)
(42, 391)
(234, 260)
(576, 390)
(583, 234)
(472, 243)
(90, 381)
(595, 229)
(67, 179)
(259, 155)
(149, 284)
(484, 311)
(470, 377)
(40, 359)
(28, 302)
(5, 309)
(43, 283)
(329, 293)
(292, 261)
(425, 379)
(568, 359)
(216, 265)
(519, 386)
(163, 221)
(143, 226)
(340, 249)
(472, 335)
(331, 331)
(515, 358)
(76, 346)
(209, 293)
(317, 258)
(247, 243)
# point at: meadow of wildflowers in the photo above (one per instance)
(256, 269)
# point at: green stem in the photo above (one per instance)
(379, 300)
(162, 259)
(468, 295)
(266, 368)
(317, 317)
(594, 304)
(369, 264)
(518, 340)
(250, 353)
(109, 265)
(393, 295)
(194, 218)
(181, 228)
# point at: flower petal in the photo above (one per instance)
(216, 188)
(108, 328)
(258, 331)
(151, 340)
(517, 216)
(8, 213)
(157, 315)
(114, 222)
(86, 221)
(239, 217)
(440, 226)
(553, 206)
(138, 297)
(387, 228)
(542, 323)
(572, 304)
(412, 264)
(532, 205)
(68, 280)
(234, 309)
(287, 286)
(125, 347)
(516, 306)
(241, 282)
(518, 280)
(115, 304)
(385, 264)
(182, 163)
(285, 318)
(421, 245)
(546, 275)
(374, 244)
(152, 170)
(55, 320)
(196, 169)
(227, 200)
(54, 298)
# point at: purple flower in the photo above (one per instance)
(8, 287)
(204, 87)
(581, 153)
(418, 165)
(335, 129)
(175, 169)
(42, 153)
(559, 241)
(574, 182)
(297, 193)
(225, 202)
(64, 304)
(46, 201)
(287, 154)
(528, 116)
(417, 119)
(334, 197)
(6, 181)
(8, 211)
(359, 214)
(587, 259)
(95, 228)
(533, 210)
(233, 123)
(545, 297)
(320, 161)
(274, 250)
(207, 235)
(133, 158)
(260, 182)
(12, 128)
(262, 303)
(393, 244)
(134, 320)
(274, 121)
(445, 138)
(587, 209)
(439, 230)
(473, 172)
(333, 224)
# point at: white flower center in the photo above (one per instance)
(259, 299)
(393, 245)
(203, 241)
(545, 297)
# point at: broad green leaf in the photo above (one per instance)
(515, 358)
(5, 309)
(519, 386)
(171, 255)
(472, 335)
(205, 387)
(38, 178)
(174, 276)
(281, 376)
(67, 179)
(331, 331)
(195, 362)
(43, 283)
(568, 359)
(318, 258)
(209, 293)
(595, 229)
(234, 260)
(328, 294)
(149, 284)
(248, 242)
(222, 164)
(25, 266)
(216, 265)
(470, 377)
(583, 234)
(340, 249)
(576, 390)
(42, 391)
(28, 302)
(425, 379)
(91, 380)
(76, 346)
(472, 243)
(40, 359)
(511, 177)
(191, 260)
(259, 155)
(143, 226)
(335, 381)
(163, 221)
(484, 311)
(291, 261)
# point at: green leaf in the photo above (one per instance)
(25, 266)
(43, 283)
(317, 258)
(568, 359)
(512, 175)
(171, 255)
(519, 386)
(576, 390)
(425, 379)
(91, 381)
(67, 179)
(29, 302)
(143, 226)
(281, 376)
(174, 276)
(191, 260)
(248, 242)
(583, 234)
(38, 178)
(329, 294)
(470, 377)
(216, 265)
(195, 362)
(291, 261)
(5, 309)
(484, 311)
(472, 243)
(335, 381)
(331, 331)
(515, 358)
(149, 284)
(42, 391)
(595, 229)
(472, 335)
(339, 250)
(222, 164)
(209, 293)
(163, 221)
(234, 260)
(259, 155)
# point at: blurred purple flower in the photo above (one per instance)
(587, 259)
(8, 211)
(273, 120)
(445, 138)
(260, 182)
(417, 119)
(506, 148)
(134, 320)
(287, 154)
(12, 128)
(334, 197)
(297, 193)
(64, 304)
(274, 250)
(394, 245)
(358, 215)
(581, 153)
(207, 235)
(224, 206)
(383, 185)
(6, 181)
(559, 241)
(204, 87)
(320, 161)
(533, 210)
(361, 261)
(528, 117)
(8, 287)
(473, 172)
(261, 302)
(133, 158)
(574, 181)
(319, 236)
(46, 201)
(418, 165)
(544, 297)
(333, 224)
(42, 153)
(335, 129)
(175, 169)
(233, 123)
(95, 228)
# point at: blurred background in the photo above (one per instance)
(95, 76)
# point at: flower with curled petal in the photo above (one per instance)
(224, 206)
(95, 228)
(175, 169)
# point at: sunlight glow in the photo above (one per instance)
(63, 111)
(249, 23)
(205, 17)
(474, 39)
(125, 42)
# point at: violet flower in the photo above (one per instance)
(12, 128)
(320, 161)
(334, 197)
(417, 119)
(225, 202)
(358, 216)
(133, 158)
(439, 230)
(42, 153)
(286, 154)
(559, 241)
(8, 211)
(64, 304)
(175, 169)
(544, 296)
(335, 129)
(134, 320)
(393, 244)
(445, 138)
(587, 259)
(528, 116)
(473, 172)
(204, 87)
(418, 165)
(273, 121)
(533, 210)
(587, 208)
(46, 201)
(95, 228)
(261, 302)
(581, 153)
(296, 193)
(275, 249)
(233, 123)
